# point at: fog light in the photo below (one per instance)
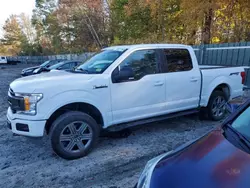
(22, 127)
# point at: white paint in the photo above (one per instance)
(36, 128)
(123, 102)
(3, 60)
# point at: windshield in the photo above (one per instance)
(238, 132)
(50, 63)
(56, 66)
(100, 62)
(242, 123)
(44, 64)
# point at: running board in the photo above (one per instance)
(123, 126)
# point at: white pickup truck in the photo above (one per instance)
(118, 87)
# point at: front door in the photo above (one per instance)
(143, 95)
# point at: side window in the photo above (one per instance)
(142, 63)
(2, 57)
(177, 60)
(72, 65)
(66, 66)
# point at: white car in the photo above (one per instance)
(134, 85)
(3, 60)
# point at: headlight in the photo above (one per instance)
(30, 103)
(144, 180)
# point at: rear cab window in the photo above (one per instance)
(176, 60)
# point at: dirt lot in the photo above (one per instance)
(115, 162)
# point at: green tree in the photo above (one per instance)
(13, 36)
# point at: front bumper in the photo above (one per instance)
(25, 127)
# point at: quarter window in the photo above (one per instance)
(177, 60)
(142, 62)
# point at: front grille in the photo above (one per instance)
(16, 103)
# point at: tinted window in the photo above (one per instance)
(77, 64)
(66, 66)
(2, 57)
(53, 62)
(177, 60)
(142, 62)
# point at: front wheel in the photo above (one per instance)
(73, 135)
(217, 106)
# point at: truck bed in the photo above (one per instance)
(204, 67)
(212, 75)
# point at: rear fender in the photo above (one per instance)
(209, 89)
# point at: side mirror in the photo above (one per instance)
(125, 74)
(59, 68)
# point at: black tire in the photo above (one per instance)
(62, 124)
(210, 106)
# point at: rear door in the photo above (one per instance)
(183, 80)
(142, 96)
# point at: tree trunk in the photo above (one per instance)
(206, 32)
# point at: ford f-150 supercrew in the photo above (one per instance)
(118, 87)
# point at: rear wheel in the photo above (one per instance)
(73, 135)
(217, 106)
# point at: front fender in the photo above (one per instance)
(50, 105)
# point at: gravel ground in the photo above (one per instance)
(115, 162)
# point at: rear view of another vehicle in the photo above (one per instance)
(3, 60)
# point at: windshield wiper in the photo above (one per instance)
(239, 137)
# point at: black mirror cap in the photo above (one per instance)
(125, 74)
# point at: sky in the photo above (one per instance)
(8, 7)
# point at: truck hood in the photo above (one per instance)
(210, 162)
(51, 80)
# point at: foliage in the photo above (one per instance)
(12, 36)
(75, 26)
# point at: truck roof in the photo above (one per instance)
(126, 47)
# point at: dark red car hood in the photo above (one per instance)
(210, 162)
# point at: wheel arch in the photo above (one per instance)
(224, 87)
(87, 108)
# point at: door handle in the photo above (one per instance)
(159, 83)
(194, 79)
